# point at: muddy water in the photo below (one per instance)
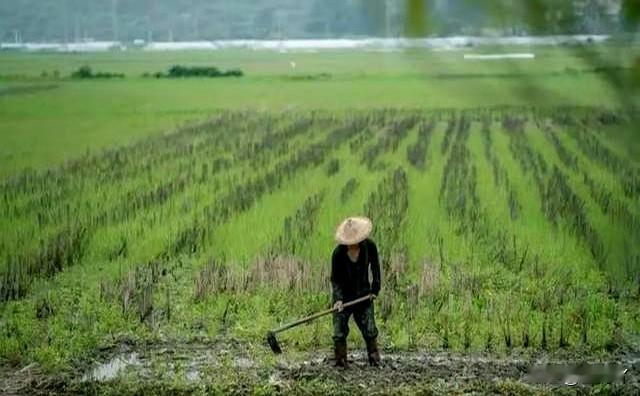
(113, 367)
(199, 363)
(187, 362)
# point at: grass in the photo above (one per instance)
(493, 238)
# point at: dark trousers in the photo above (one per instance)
(364, 317)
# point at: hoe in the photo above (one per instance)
(271, 335)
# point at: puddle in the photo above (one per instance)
(111, 369)
(188, 362)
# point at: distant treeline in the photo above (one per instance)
(85, 72)
(178, 71)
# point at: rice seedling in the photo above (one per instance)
(217, 226)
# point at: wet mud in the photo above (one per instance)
(188, 367)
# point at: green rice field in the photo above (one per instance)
(505, 199)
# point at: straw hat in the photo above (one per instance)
(353, 230)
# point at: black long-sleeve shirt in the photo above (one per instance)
(350, 280)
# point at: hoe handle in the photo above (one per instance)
(319, 314)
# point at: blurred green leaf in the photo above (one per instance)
(631, 14)
(417, 23)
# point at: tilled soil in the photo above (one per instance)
(234, 367)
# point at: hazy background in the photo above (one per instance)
(182, 20)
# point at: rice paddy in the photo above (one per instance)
(500, 229)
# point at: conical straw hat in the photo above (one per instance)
(353, 230)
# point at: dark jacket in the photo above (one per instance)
(350, 280)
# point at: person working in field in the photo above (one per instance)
(350, 264)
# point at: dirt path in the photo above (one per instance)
(238, 367)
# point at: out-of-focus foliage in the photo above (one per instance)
(631, 14)
(618, 18)
(518, 17)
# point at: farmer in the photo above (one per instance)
(350, 265)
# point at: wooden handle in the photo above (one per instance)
(320, 314)
(356, 301)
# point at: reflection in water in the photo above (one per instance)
(111, 369)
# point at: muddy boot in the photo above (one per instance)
(340, 349)
(372, 351)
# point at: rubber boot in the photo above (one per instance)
(372, 351)
(340, 349)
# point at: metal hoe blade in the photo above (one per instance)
(273, 342)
